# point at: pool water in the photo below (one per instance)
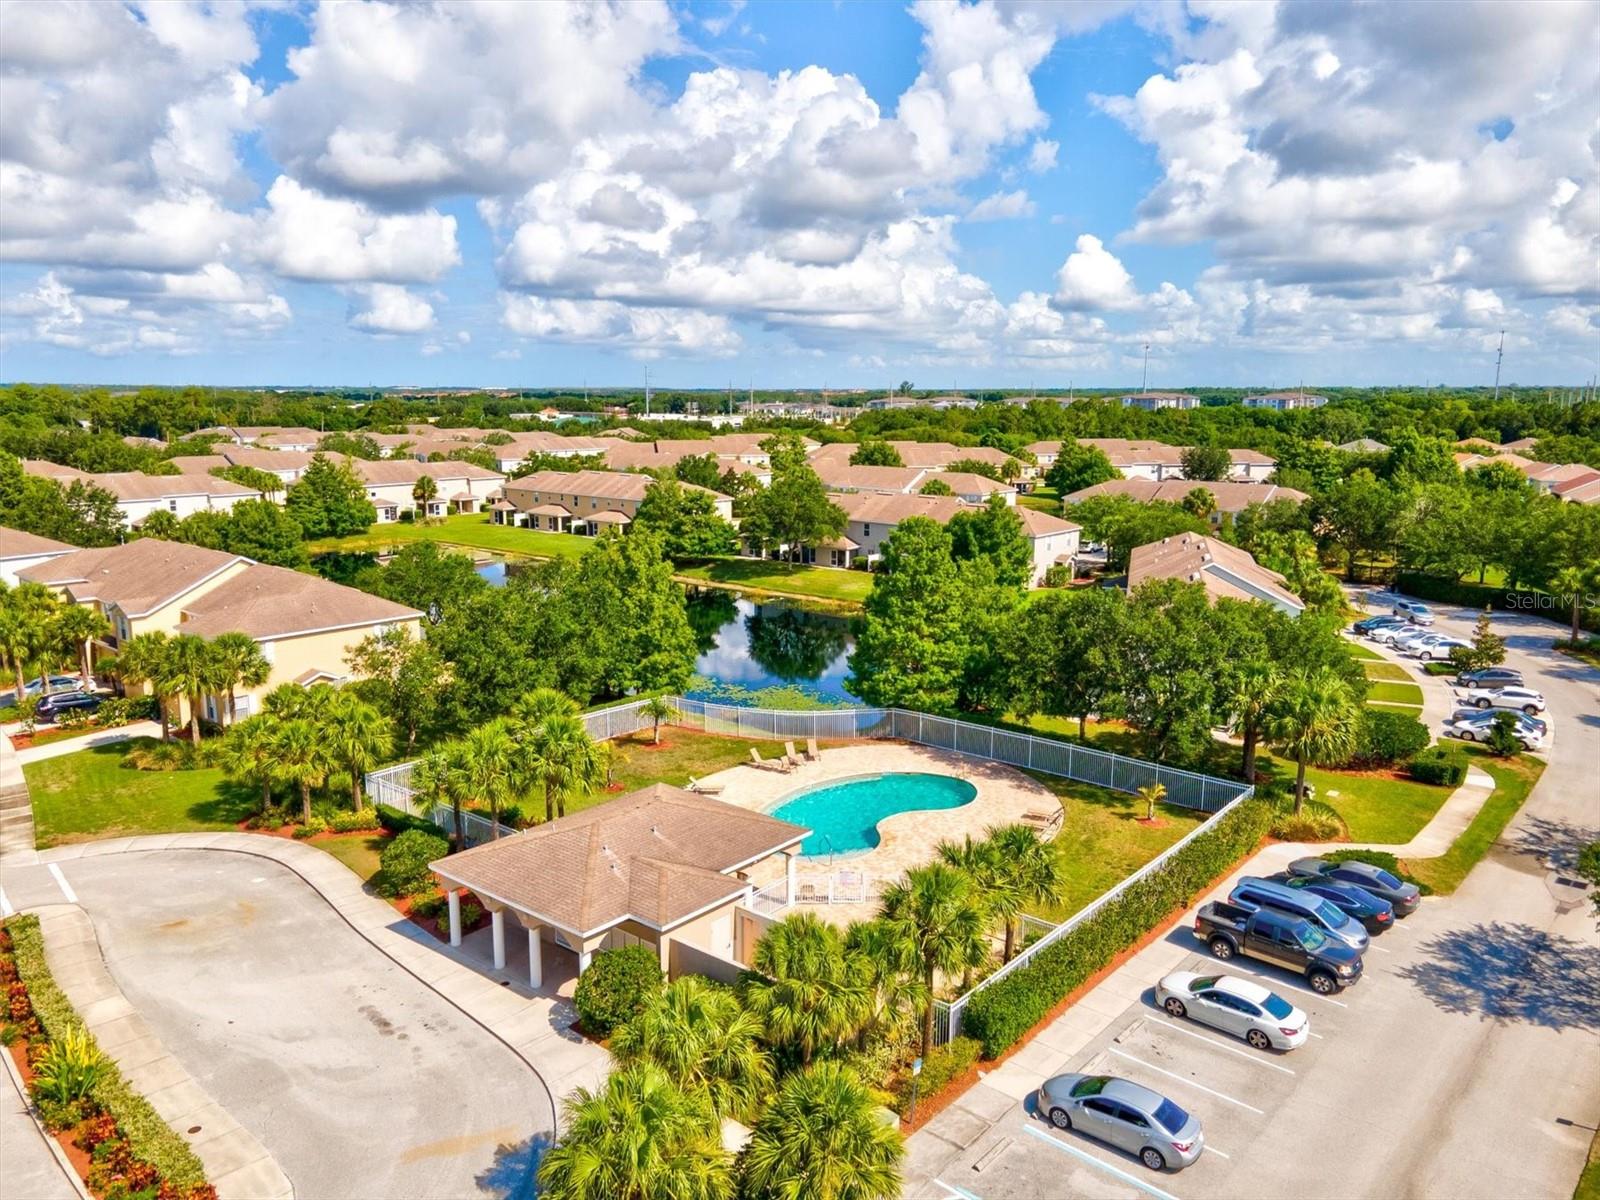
(843, 817)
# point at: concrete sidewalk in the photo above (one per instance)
(35, 1167)
(236, 1164)
(89, 740)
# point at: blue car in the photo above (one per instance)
(1375, 913)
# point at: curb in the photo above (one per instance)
(550, 1096)
(56, 1151)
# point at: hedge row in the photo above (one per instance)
(1002, 1013)
(1437, 765)
(396, 821)
(1481, 596)
(946, 1063)
(150, 1138)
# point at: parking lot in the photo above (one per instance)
(1383, 1056)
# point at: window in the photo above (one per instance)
(1092, 1086)
(1278, 1007)
(1132, 1116)
(1104, 1107)
(1170, 1117)
(1311, 937)
(172, 506)
(1204, 983)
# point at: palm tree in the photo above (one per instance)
(808, 992)
(1255, 690)
(1572, 582)
(491, 762)
(440, 775)
(558, 755)
(892, 975)
(140, 660)
(939, 921)
(424, 491)
(249, 752)
(638, 1137)
(358, 737)
(656, 710)
(291, 700)
(531, 708)
(978, 861)
(187, 669)
(1315, 718)
(300, 753)
(821, 1139)
(239, 663)
(1030, 873)
(79, 627)
(702, 1037)
(25, 619)
(1152, 794)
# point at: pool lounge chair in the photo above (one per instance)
(771, 763)
(790, 756)
(812, 752)
(705, 789)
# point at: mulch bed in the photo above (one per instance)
(929, 1107)
(52, 734)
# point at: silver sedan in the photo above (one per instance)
(1262, 1018)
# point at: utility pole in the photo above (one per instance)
(1144, 382)
(647, 391)
(1498, 355)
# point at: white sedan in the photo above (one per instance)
(1438, 647)
(1528, 700)
(1262, 1018)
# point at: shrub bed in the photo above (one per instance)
(132, 1150)
(1000, 1015)
(616, 988)
(395, 821)
(1446, 768)
(405, 862)
(1385, 738)
(945, 1065)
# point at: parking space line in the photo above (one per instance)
(1184, 1079)
(1255, 1056)
(61, 882)
(1374, 946)
(962, 1193)
(1210, 1149)
(1101, 1163)
(5, 905)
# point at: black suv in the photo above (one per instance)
(53, 706)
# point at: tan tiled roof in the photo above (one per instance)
(377, 472)
(1364, 445)
(931, 455)
(656, 855)
(842, 477)
(138, 577)
(135, 485)
(1127, 452)
(50, 470)
(890, 509)
(1223, 570)
(267, 460)
(550, 510)
(1585, 489)
(14, 543)
(199, 464)
(1038, 524)
(610, 517)
(273, 602)
(602, 485)
(965, 483)
(1231, 496)
(1252, 456)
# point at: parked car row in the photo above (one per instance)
(1411, 639)
(1315, 919)
(1475, 725)
(33, 687)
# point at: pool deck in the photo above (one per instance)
(908, 839)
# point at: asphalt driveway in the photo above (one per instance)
(359, 1080)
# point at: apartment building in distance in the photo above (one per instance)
(1157, 401)
(304, 624)
(1285, 401)
(1157, 461)
(19, 551)
(138, 495)
(580, 501)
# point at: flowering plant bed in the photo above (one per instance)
(116, 1142)
(432, 913)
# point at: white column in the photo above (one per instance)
(455, 916)
(497, 927)
(583, 961)
(535, 959)
(789, 867)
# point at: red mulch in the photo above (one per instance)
(929, 1107)
(439, 926)
(1150, 822)
(287, 831)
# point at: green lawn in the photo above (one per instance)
(1393, 672)
(470, 530)
(1102, 840)
(1513, 780)
(1042, 498)
(1360, 651)
(86, 795)
(1396, 693)
(784, 579)
(358, 851)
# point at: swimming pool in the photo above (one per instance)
(844, 816)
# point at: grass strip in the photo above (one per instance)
(1513, 780)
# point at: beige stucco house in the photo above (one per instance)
(304, 624)
(19, 551)
(581, 501)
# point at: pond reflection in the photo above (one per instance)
(773, 644)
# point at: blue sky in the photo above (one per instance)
(794, 194)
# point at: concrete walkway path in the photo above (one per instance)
(236, 1164)
(16, 810)
(90, 739)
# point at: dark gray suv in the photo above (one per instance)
(1404, 898)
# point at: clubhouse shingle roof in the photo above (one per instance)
(657, 855)
(1223, 570)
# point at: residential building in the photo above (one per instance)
(870, 517)
(1546, 477)
(1363, 445)
(1228, 496)
(138, 495)
(272, 437)
(1156, 401)
(1140, 459)
(512, 454)
(304, 624)
(933, 456)
(893, 481)
(1251, 466)
(580, 501)
(660, 867)
(1285, 401)
(287, 465)
(19, 551)
(1223, 570)
(463, 487)
(1583, 489)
